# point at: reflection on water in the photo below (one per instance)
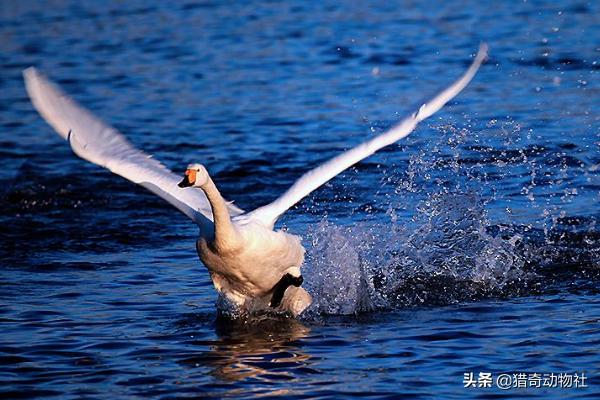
(263, 350)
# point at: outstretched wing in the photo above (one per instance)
(313, 179)
(93, 140)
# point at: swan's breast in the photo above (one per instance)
(257, 264)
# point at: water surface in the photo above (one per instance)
(471, 246)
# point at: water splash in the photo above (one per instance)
(338, 275)
(446, 255)
(441, 244)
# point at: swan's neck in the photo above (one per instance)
(225, 235)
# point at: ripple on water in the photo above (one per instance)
(470, 246)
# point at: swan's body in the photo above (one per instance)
(251, 265)
(251, 269)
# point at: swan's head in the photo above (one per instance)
(195, 175)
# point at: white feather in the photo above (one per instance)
(93, 140)
(313, 179)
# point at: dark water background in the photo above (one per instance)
(473, 245)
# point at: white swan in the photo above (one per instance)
(251, 265)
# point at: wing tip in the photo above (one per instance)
(30, 76)
(45, 97)
(29, 72)
(482, 53)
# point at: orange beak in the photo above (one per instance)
(188, 179)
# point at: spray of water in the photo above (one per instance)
(449, 249)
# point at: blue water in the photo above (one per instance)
(471, 246)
